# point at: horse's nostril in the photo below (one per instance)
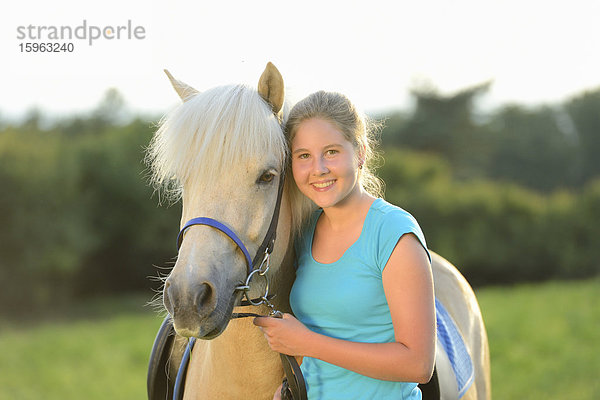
(205, 300)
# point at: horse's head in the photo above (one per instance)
(225, 149)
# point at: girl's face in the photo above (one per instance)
(324, 163)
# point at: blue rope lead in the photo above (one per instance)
(180, 380)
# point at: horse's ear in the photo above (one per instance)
(183, 90)
(270, 87)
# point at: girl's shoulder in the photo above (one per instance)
(386, 223)
(389, 216)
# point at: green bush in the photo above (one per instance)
(78, 217)
(496, 232)
(77, 214)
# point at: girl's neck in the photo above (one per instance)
(351, 210)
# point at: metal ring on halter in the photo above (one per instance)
(266, 260)
(249, 279)
(242, 288)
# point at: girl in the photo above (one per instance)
(363, 294)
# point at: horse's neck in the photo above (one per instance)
(239, 363)
(283, 280)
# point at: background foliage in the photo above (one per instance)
(507, 195)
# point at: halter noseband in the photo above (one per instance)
(218, 225)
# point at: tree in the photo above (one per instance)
(584, 111)
(529, 147)
(444, 125)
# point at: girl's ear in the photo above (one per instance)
(362, 154)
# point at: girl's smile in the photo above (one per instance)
(322, 186)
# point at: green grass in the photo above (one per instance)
(102, 357)
(544, 342)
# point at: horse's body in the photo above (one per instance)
(455, 293)
(239, 188)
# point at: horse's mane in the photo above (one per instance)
(211, 133)
(214, 132)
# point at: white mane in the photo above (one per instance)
(210, 134)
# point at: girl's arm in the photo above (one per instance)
(408, 286)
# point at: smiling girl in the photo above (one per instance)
(363, 294)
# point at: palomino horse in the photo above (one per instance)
(226, 153)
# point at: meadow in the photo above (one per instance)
(544, 344)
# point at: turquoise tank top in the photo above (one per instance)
(346, 300)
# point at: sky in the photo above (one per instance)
(374, 51)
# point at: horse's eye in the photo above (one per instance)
(266, 177)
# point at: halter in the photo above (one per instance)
(260, 264)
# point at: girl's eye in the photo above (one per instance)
(331, 152)
(266, 177)
(303, 156)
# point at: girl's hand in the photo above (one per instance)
(285, 335)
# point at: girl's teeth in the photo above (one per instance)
(324, 184)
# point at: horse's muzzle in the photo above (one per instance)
(191, 306)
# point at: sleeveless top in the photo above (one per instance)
(345, 300)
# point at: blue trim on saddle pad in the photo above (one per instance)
(455, 348)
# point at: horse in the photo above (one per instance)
(223, 153)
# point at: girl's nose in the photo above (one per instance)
(319, 166)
